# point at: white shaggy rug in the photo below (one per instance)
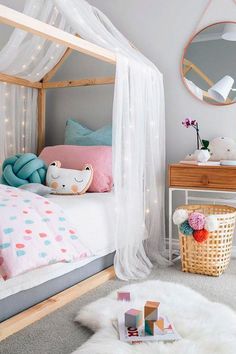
(206, 327)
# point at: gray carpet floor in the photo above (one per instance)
(59, 334)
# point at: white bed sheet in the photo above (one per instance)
(93, 215)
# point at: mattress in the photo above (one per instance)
(93, 215)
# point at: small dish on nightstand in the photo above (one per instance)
(228, 162)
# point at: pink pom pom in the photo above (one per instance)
(196, 220)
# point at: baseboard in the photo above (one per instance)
(37, 312)
(175, 246)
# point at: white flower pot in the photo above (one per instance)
(202, 155)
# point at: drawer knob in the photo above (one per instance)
(205, 180)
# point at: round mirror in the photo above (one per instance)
(209, 64)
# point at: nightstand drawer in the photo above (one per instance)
(205, 177)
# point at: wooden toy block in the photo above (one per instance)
(123, 296)
(149, 327)
(133, 318)
(151, 310)
(160, 324)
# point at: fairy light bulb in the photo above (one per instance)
(57, 45)
(23, 123)
(147, 211)
(24, 66)
(32, 58)
(39, 47)
(52, 57)
(6, 120)
(155, 201)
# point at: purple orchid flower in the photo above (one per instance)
(188, 122)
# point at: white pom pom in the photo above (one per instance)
(180, 216)
(211, 223)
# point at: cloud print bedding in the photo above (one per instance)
(34, 232)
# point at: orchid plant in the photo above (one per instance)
(201, 144)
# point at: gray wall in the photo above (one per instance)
(160, 29)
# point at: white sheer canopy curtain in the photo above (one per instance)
(29, 57)
(138, 143)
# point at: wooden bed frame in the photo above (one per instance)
(21, 21)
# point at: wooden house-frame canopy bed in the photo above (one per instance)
(138, 149)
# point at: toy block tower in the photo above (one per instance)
(150, 316)
(151, 310)
(133, 318)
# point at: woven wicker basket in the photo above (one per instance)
(211, 257)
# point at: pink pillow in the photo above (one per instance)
(75, 157)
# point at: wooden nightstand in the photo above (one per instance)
(220, 180)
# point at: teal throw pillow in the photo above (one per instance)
(77, 134)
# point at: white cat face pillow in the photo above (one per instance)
(66, 181)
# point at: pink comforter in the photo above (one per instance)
(34, 233)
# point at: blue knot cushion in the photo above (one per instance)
(77, 134)
(21, 169)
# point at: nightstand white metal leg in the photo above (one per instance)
(170, 224)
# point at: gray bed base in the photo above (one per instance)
(21, 301)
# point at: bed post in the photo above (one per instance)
(41, 118)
